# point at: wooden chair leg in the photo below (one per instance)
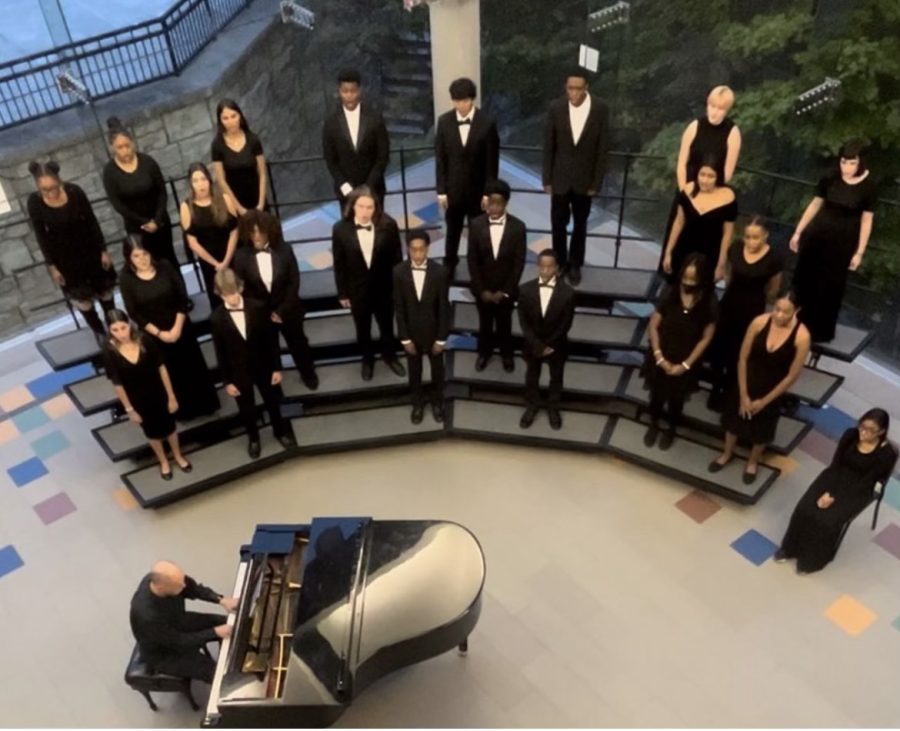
(146, 694)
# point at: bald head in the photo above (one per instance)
(166, 579)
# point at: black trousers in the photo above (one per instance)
(563, 207)
(193, 663)
(209, 282)
(455, 215)
(495, 327)
(414, 362)
(658, 400)
(363, 311)
(271, 396)
(292, 329)
(556, 361)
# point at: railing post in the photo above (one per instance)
(271, 188)
(171, 47)
(403, 188)
(622, 196)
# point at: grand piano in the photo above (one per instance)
(328, 608)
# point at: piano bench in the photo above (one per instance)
(139, 677)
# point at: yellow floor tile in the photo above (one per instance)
(321, 260)
(125, 499)
(15, 398)
(58, 406)
(8, 431)
(850, 615)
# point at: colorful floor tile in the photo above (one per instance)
(896, 624)
(698, 506)
(889, 539)
(787, 465)
(892, 493)
(828, 420)
(850, 615)
(15, 398)
(51, 384)
(50, 444)
(125, 499)
(818, 446)
(58, 406)
(8, 431)
(27, 471)
(30, 419)
(10, 560)
(321, 260)
(430, 213)
(54, 508)
(755, 547)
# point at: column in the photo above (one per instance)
(455, 47)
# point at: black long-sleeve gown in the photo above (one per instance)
(159, 301)
(813, 533)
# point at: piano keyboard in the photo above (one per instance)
(212, 709)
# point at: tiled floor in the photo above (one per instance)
(613, 598)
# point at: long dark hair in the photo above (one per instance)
(708, 161)
(355, 195)
(233, 106)
(116, 315)
(219, 207)
(880, 417)
(265, 222)
(134, 242)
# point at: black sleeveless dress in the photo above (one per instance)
(765, 370)
(214, 238)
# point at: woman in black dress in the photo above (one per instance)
(831, 239)
(209, 222)
(156, 299)
(142, 383)
(754, 273)
(681, 328)
(136, 189)
(238, 160)
(771, 358)
(704, 223)
(863, 459)
(72, 243)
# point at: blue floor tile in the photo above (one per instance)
(892, 493)
(50, 444)
(52, 383)
(10, 560)
(430, 213)
(27, 471)
(30, 419)
(755, 547)
(828, 420)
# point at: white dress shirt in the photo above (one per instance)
(464, 129)
(496, 228)
(238, 318)
(366, 242)
(353, 124)
(418, 274)
(546, 293)
(264, 263)
(578, 118)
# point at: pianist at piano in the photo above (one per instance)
(170, 637)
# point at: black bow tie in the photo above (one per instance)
(367, 227)
(498, 223)
(265, 250)
(235, 309)
(461, 122)
(419, 269)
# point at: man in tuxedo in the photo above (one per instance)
(496, 258)
(467, 156)
(422, 307)
(248, 355)
(270, 274)
(576, 141)
(546, 310)
(366, 246)
(355, 141)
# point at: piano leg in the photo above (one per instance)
(153, 706)
(463, 646)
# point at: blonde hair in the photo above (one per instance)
(228, 282)
(724, 93)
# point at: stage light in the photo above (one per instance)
(296, 14)
(818, 96)
(604, 18)
(68, 84)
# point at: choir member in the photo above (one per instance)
(137, 191)
(366, 247)
(268, 268)
(209, 222)
(170, 638)
(496, 257)
(422, 307)
(155, 297)
(72, 243)
(831, 239)
(238, 160)
(143, 386)
(247, 351)
(681, 329)
(355, 141)
(467, 157)
(772, 355)
(863, 462)
(546, 310)
(576, 141)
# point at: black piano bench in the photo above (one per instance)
(139, 677)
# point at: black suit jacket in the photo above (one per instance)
(354, 280)
(363, 164)
(427, 320)
(284, 297)
(500, 274)
(551, 329)
(570, 167)
(241, 362)
(462, 172)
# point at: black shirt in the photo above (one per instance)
(139, 196)
(156, 621)
(240, 167)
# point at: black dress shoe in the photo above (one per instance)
(418, 412)
(396, 366)
(367, 369)
(715, 466)
(165, 475)
(749, 478)
(437, 411)
(780, 556)
(555, 418)
(575, 275)
(650, 435)
(253, 449)
(311, 382)
(287, 441)
(187, 468)
(665, 441)
(509, 365)
(528, 417)
(481, 362)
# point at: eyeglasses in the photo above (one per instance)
(868, 429)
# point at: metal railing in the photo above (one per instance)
(113, 62)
